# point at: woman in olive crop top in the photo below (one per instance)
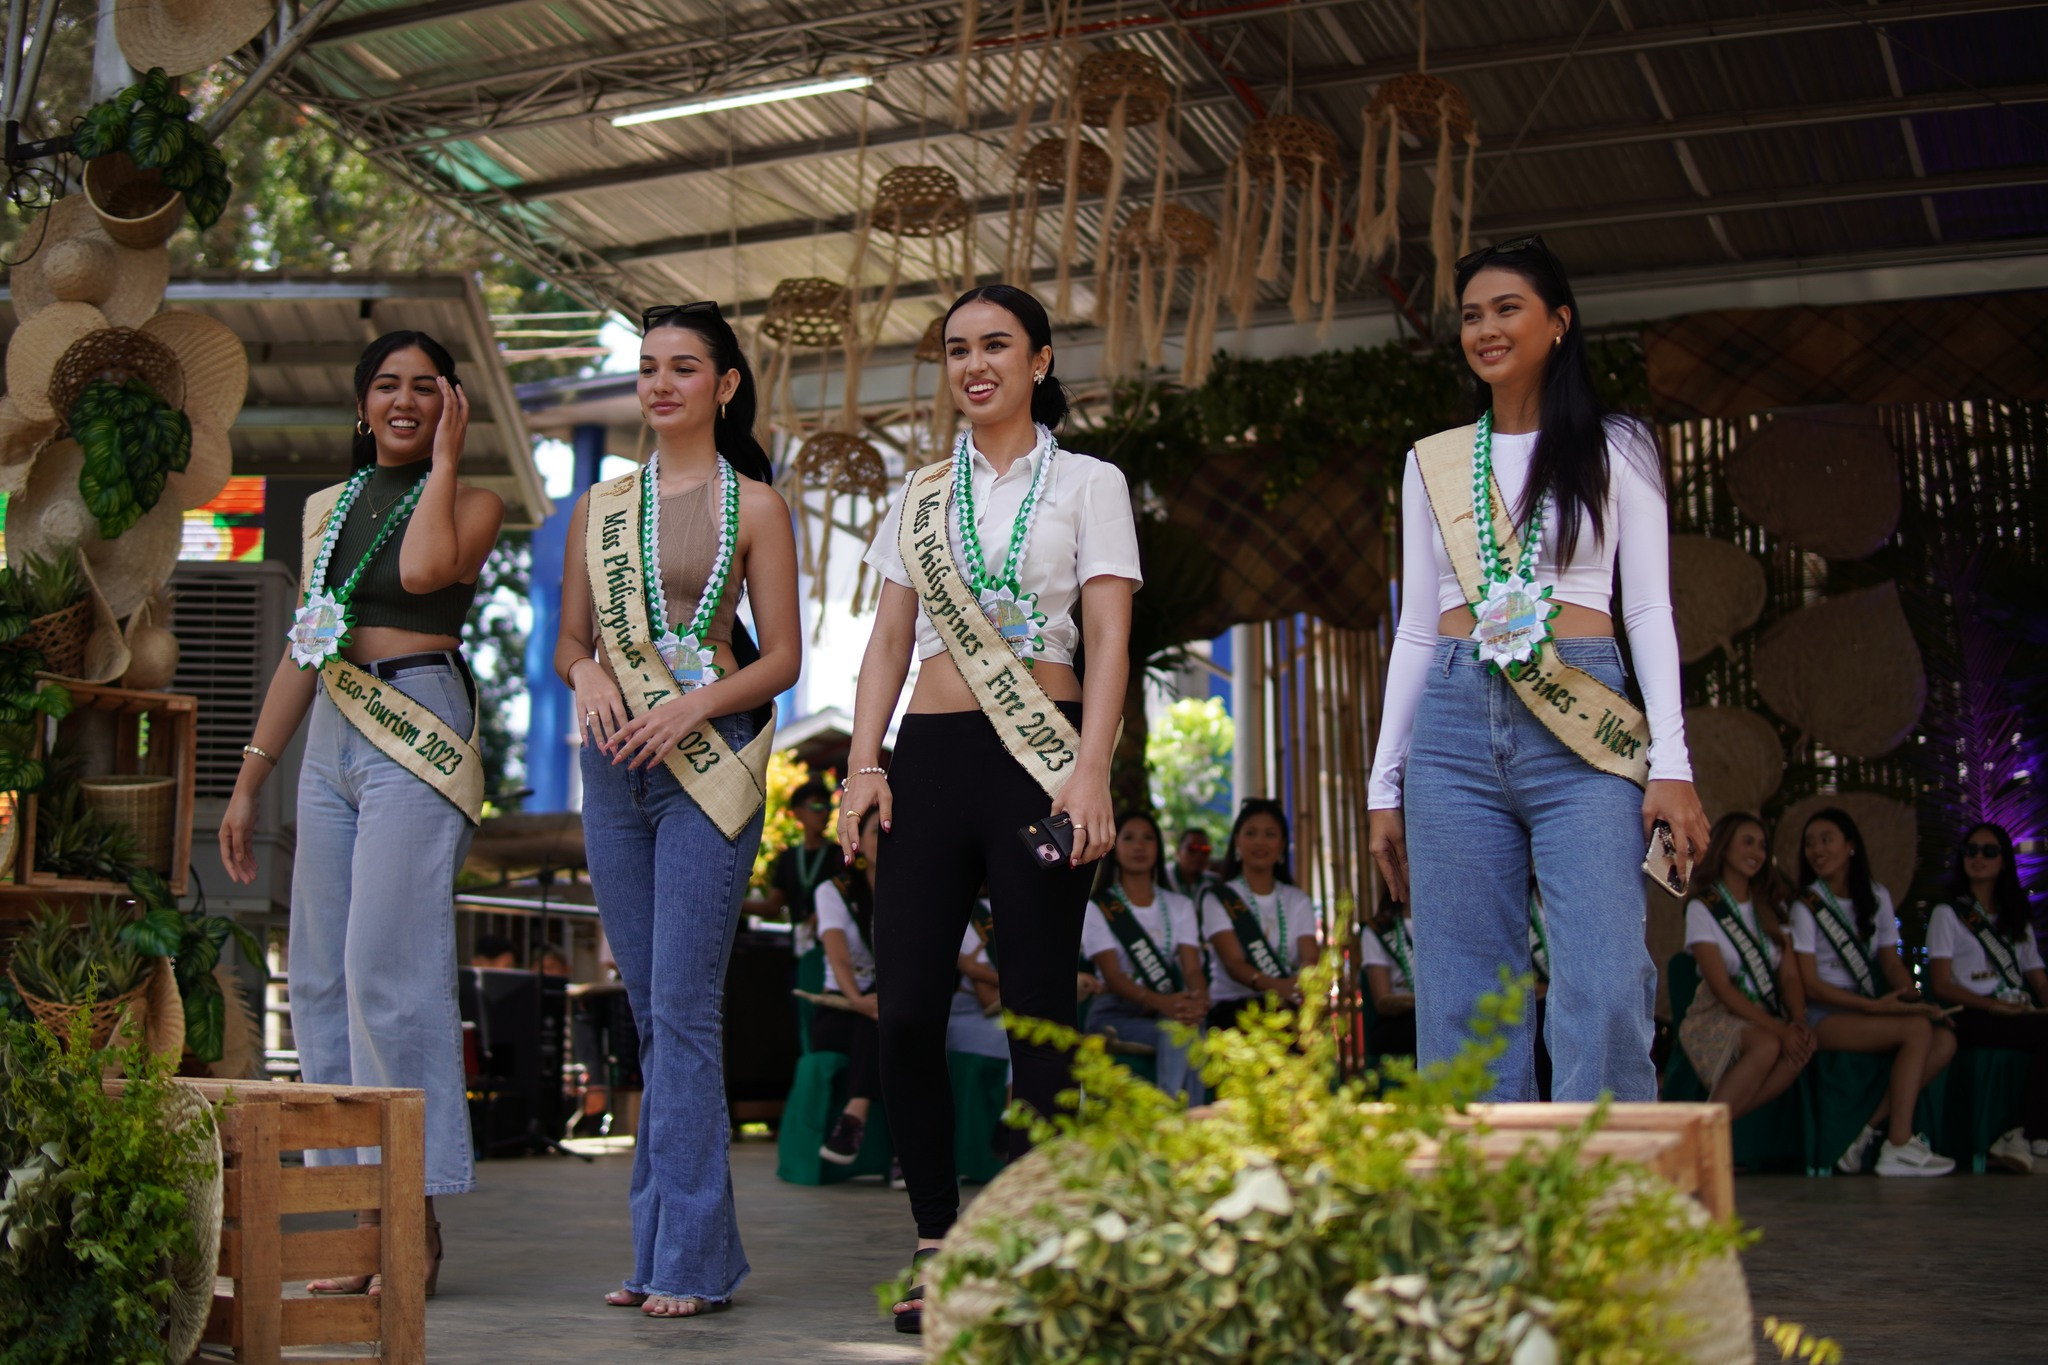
(389, 787)
(676, 701)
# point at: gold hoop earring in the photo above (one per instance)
(362, 427)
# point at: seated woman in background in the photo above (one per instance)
(1262, 926)
(976, 1024)
(1143, 939)
(1860, 997)
(1387, 950)
(1981, 954)
(846, 922)
(1746, 1033)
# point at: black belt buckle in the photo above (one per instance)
(387, 669)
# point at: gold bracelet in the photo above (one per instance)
(266, 757)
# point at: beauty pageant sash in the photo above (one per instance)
(1251, 935)
(1841, 936)
(1154, 970)
(1997, 951)
(1760, 984)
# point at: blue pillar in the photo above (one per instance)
(550, 706)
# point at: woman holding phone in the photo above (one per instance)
(997, 566)
(1507, 734)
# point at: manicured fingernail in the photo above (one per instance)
(886, 826)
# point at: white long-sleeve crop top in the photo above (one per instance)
(1636, 534)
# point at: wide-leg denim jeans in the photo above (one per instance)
(372, 953)
(1487, 789)
(669, 888)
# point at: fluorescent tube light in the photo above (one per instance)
(745, 98)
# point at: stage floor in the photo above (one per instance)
(1897, 1270)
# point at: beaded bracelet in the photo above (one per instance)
(870, 772)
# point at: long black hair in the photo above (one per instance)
(2008, 908)
(1049, 397)
(1861, 888)
(363, 453)
(1571, 460)
(1766, 890)
(1113, 870)
(852, 882)
(1233, 865)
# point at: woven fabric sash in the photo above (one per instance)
(1037, 734)
(1152, 967)
(727, 786)
(1592, 719)
(1539, 938)
(1996, 950)
(1758, 983)
(1841, 936)
(1251, 935)
(403, 730)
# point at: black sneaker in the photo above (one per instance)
(843, 1145)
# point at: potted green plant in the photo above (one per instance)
(63, 968)
(23, 700)
(52, 597)
(193, 940)
(146, 162)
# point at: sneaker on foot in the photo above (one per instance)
(2011, 1153)
(1911, 1157)
(2040, 1148)
(896, 1180)
(1851, 1161)
(842, 1145)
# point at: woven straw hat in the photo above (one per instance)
(213, 460)
(21, 437)
(78, 262)
(215, 363)
(191, 1275)
(49, 516)
(38, 344)
(185, 35)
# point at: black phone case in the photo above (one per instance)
(1049, 841)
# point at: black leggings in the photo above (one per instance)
(959, 801)
(2025, 1033)
(847, 1031)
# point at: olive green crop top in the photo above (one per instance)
(381, 598)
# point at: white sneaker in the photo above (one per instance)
(1851, 1161)
(1912, 1157)
(2040, 1146)
(2011, 1153)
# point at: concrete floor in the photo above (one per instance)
(1904, 1270)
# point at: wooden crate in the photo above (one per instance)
(113, 718)
(259, 1122)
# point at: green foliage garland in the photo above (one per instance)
(94, 1209)
(133, 441)
(152, 123)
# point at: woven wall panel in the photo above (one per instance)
(1846, 671)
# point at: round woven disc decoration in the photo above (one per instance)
(1828, 482)
(1299, 142)
(192, 1275)
(1845, 671)
(1417, 97)
(1190, 235)
(918, 201)
(842, 465)
(1890, 829)
(806, 311)
(1046, 164)
(116, 354)
(215, 363)
(1137, 78)
(931, 347)
(1717, 592)
(1737, 762)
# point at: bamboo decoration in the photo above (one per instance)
(1426, 107)
(928, 443)
(1113, 90)
(1278, 154)
(1152, 260)
(836, 464)
(804, 313)
(1042, 168)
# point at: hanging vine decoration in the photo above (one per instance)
(1281, 153)
(804, 313)
(1113, 90)
(1152, 262)
(838, 465)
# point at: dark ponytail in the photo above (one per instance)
(1572, 457)
(1049, 404)
(363, 451)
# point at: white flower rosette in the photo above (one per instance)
(1514, 621)
(318, 630)
(691, 663)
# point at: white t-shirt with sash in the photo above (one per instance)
(1828, 964)
(1970, 965)
(1372, 952)
(1701, 926)
(834, 913)
(1301, 920)
(1169, 921)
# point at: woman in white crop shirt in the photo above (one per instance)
(1261, 925)
(1532, 751)
(1145, 941)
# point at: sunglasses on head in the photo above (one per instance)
(1473, 259)
(1983, 851)
(651, 318)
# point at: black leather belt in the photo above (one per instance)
(387, 669)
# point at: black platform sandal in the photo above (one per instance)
(911, 1320)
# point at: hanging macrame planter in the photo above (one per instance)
(1149, 261)
(837, 465)
(1279, 154)
(912, 203)
(1042, 168)
(1115, 91)
(928, 442)
(1426, 107)
(804, 313)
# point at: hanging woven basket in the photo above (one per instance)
(1298, 144)
(806, 311)
(1046, 166)
(842, 465)
(1430, 110)
(918, 201)
(1286, 156)
(116, 354)
(1136, 78)
(1422, 102)
(1181, 232)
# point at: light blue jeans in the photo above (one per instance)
(1174, 1072)
(372, 952)
(1488, 788)
(669, 888)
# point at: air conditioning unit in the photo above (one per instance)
(230, 620)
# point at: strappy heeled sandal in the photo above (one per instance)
(911, 1320)
(349, 1284)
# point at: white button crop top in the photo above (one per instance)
(1637, 535)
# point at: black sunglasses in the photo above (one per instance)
(1983, 851)
(651, 318)
(1472, 259)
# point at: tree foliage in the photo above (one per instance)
(1188, 754)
